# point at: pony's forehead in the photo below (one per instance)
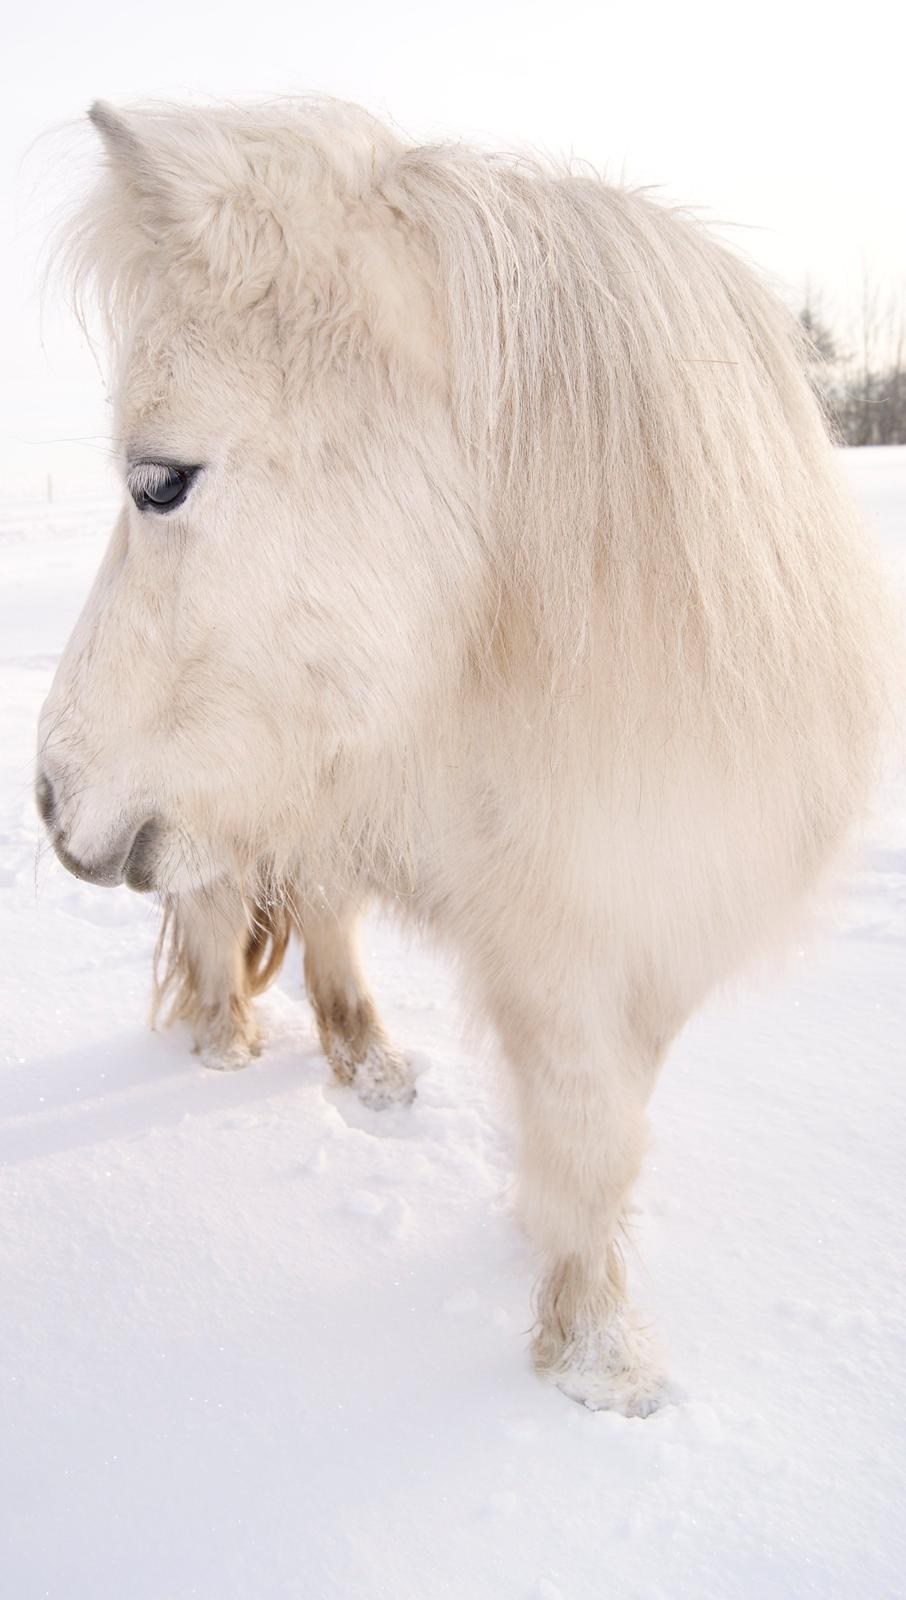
(184, 397)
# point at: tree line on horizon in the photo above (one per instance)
(860, 375)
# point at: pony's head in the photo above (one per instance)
(410, 434)
(295, 544)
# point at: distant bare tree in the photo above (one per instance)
(814, 324)
(822, 354)
(862, 385)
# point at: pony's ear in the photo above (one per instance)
(113, 129)
(201, 191)
(208, 190)
(133, 160)
(120, 139)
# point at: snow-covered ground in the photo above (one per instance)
(260, 1344)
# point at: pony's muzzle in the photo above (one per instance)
(130, 861)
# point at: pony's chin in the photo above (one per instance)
(173, 862)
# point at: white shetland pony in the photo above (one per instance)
(482, 552)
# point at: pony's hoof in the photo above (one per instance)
(229, 1055)
(384, 1079)
(616, 1367)
(379, 1076)
(629, 1394)
(229, 1060)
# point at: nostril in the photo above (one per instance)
(45, 800)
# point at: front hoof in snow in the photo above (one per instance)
(629, 1394)
(231, 1059)
(616, 1368)
(228, 1052)
(378, 1074)
(384, 1079)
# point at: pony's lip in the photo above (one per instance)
(104, 874)
(132, 865)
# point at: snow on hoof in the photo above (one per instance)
(614, 1368)
(383, 1079)
(230, 1049)
(631, 1394)
(378, 1074)
(226, 1059)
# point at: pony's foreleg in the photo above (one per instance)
(584, 1074)
(352, 1035)
(215, 953)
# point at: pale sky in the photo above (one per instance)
(788, 121)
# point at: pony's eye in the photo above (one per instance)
(159, 485)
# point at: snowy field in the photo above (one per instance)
(260, 1344)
